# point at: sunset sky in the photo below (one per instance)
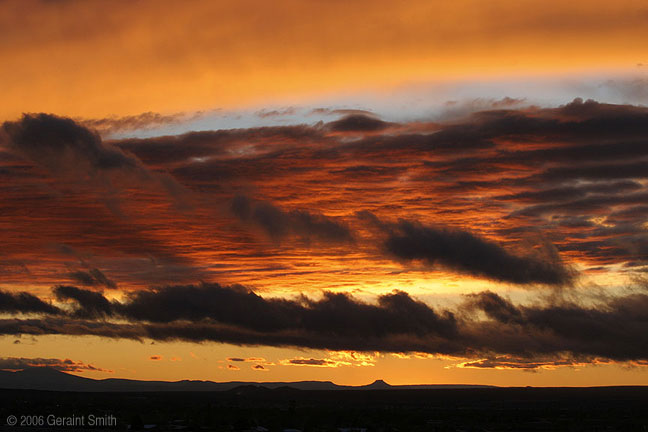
(423, 192)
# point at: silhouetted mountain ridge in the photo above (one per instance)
(42, 378)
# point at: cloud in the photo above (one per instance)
(247, 359)
(235, 314)
(90, 304)
(484, 326)
(235, 305)
(533, 364)
(335, 359)
(93, 277)
(341, 111)
(632, 90)
(572, 192)
(66, 365)
(512, 195)
(76, 154)
(310, 362)
(358, 123)
(143, 121)
(609, 330)
(495, 306)
(454, 110)
(334, 314)
(62, 146)
(24, 302)
(279, 224)
(276, 112)
(467, 253)
(228, 144)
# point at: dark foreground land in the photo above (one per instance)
(253, 408)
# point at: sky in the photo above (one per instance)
(421, 192)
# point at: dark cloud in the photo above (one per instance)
(484, 326)
(310, 362)
(78, 155)
(279, 224)
(585, 131)
(336, 314)
(358, 123)
(63, 365)
(467, 253)
(235, 305)
(90, 304)
(246, 359)
(61, 145)
(630, 213)
(24, 302)
(84, 278)
(604, 171)
(521, 363)
(572, 192)
(219, 143)
(70, 326)
(371, 172)
(451, 139)
(611, 330)
(341, 111)
(495, 306)
(237, 315)
(591, 205)
(92, 277)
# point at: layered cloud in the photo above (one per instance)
(525, 196)
(485, 326)
(539, 192)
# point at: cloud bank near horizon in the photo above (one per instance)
(485, 326)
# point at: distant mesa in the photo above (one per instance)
(379, 385)
(43, 378)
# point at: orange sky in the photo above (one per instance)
(501, 233)
(92, 59)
